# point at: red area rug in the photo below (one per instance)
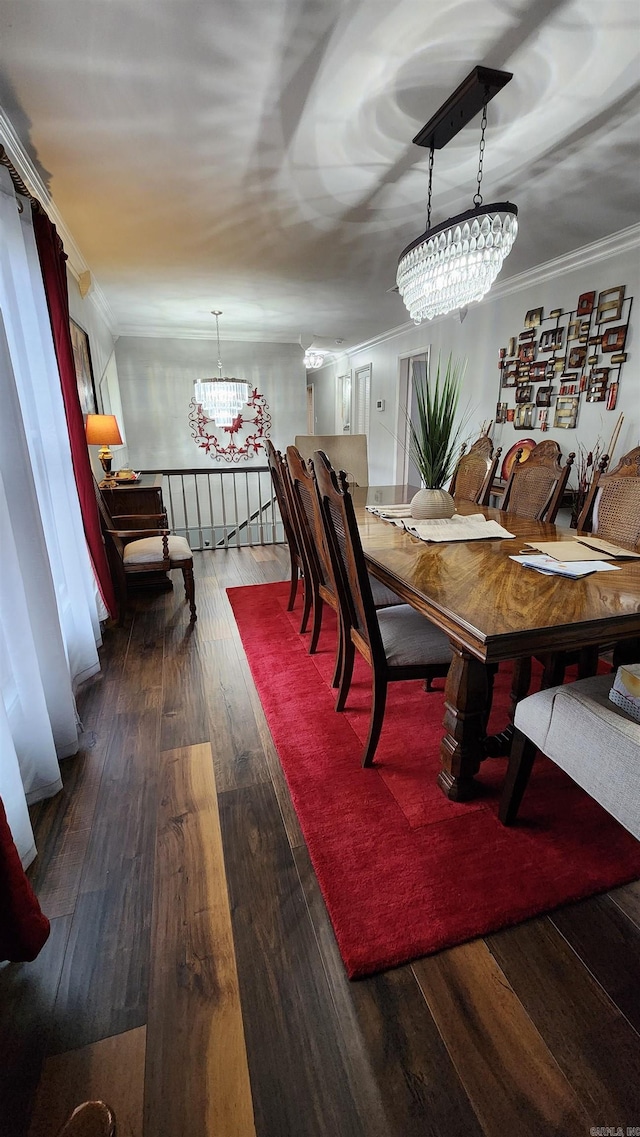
(403, 871)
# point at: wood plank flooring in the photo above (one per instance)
(192, 977)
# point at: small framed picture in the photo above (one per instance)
(543, 396)
(527, 352)
(501, 412)
(577, 356)
(510, 373)
(610, 305)
(614, 338)
(537, 371)
(84, 370)
(525, 416)
(510, 414)
(552, 339)
(573, 331)
(585, 304)
(533, 318)
(566, 414)
(524, 393)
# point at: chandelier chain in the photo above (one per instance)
(216, 314)
(477, 199)
(430, 186)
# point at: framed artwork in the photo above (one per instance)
(612, 397)
(533, 318)
(525, 415)
(524, 393)
(543, 396)
(573, 330)
(610, 305)
(577, 356)
(527, 352)
(597, 389)
(537, 371)
(511, 350)
(84, 370)
(551, 340)
(510, 373)
(501, 412)
(566, 414)
(585, 304)
(510, 414)
(543, 419)
(613, 339)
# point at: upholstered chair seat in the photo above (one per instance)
(409, 640)
(148, 550)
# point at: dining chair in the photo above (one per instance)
(314, 539)
(612, 506)
(475, 471)
(535, 487)
(345, 452)
(581, 731)
(134, 552)
(276, 462)
(398, 642)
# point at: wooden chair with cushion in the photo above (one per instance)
(535, 487)
(473, 476)
(276, 463)
(133, 552)
(592, 740)
(397, 643)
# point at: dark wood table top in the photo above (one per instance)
(488, 604)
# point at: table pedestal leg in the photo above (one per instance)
(462, 748)
(499, 745)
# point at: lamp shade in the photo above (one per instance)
(102, 430)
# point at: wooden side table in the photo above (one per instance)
(143, 499)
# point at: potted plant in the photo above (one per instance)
(434, 438)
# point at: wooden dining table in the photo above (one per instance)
(492, 609)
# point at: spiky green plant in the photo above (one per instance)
(433, 441)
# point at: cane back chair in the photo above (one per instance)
(535, 487)
(398, 642)
(276, 463)
(473, 476)
(612, 506)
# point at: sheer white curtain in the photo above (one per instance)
(49, 622)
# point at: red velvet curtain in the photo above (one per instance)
(52, 262)
(23, 927)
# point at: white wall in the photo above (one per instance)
(156, 385)
(486, 328)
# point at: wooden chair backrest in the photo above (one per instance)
(276, 463)
(345, 452)
(475, 471)
(535, 487)
(612, 506)
(310, 522)
(349, 565)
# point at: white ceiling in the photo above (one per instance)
(256, 156)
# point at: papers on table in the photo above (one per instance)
(582, 549)
(549, 566)
(474, 527)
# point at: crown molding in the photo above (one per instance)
(37, 187)
(162, 332)
(623, 241)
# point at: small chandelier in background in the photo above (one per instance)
(313, 359)
(454, 264)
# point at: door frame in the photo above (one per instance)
(405, 394)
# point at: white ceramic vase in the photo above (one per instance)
(430, 504)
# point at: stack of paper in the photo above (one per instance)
(475, 527)
(549, 566)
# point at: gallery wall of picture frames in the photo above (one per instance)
(563, 359)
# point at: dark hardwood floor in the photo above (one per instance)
(192, 978)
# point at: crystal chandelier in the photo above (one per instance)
(454, 264)
(313, 359)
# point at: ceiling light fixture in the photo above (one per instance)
(313, 359)
(454, 264)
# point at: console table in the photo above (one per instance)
(137, 502)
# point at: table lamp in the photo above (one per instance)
(103, 431)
